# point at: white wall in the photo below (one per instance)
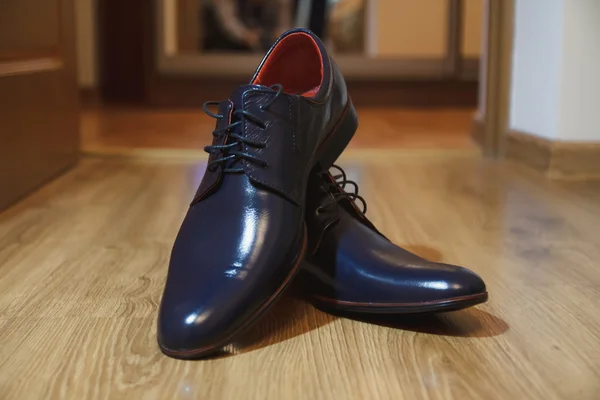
(579, 118)
(555, 88)
(536, 67)
(85, 30)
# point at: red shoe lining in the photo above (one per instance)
(296, 64)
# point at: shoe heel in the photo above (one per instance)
(337, 140)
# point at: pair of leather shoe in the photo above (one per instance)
(267, 209)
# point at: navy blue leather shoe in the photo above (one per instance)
(351, 267)
(244, 235)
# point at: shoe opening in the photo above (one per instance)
(296, 64)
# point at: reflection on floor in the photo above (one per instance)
(83, 262)
(110, 130)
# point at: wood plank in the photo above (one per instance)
(83, 262)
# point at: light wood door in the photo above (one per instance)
(38, 94)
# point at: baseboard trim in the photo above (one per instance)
(555, 159)
(477, 131)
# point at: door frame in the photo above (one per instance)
(493, 117)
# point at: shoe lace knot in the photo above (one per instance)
(235, 146)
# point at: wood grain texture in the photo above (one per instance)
(83, 262)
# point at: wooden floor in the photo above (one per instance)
(107, 130)
(83, 262)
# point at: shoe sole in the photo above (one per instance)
(263, 309)
(443, 305)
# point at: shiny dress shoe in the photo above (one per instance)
(351, 267)
(244, 234)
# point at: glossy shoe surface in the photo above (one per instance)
(243, 237)
(351, 267)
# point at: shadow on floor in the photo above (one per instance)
(289, 317)
(471, 322)
(292, 316)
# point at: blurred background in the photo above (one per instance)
(121, 77)
(478, 145)
(511, 80)
(405, 62)
(516, 79)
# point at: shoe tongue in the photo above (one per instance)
(237, 97)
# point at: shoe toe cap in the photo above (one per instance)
(454, 282)
(189, 331)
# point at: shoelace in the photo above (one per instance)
(237, 149)
(341, 181)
